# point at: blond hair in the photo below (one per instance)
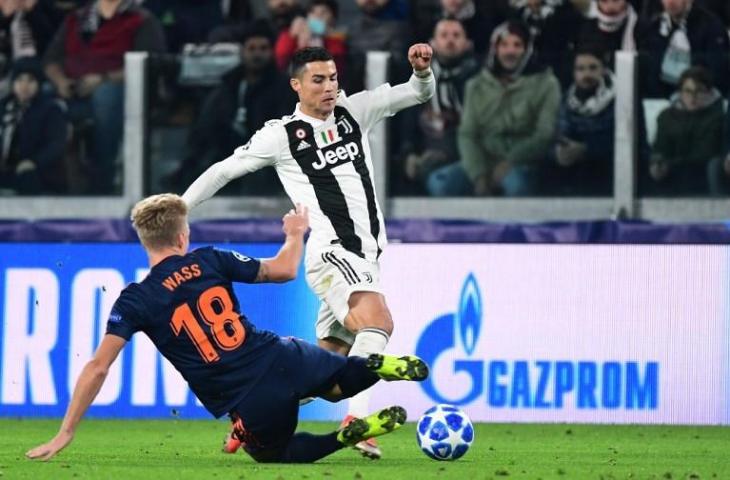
(159, 219)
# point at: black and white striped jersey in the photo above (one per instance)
(325, 165)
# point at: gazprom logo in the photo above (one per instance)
(539, 383)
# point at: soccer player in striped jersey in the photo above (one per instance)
(322, 157)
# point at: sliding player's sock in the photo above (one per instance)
(306, 447)
(356, 377)
(367, 341)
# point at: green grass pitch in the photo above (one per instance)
(179, 449)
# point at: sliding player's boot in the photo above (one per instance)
(233, 441)
(368, 448)
(390, 367)
(374, 425)
(231, 444)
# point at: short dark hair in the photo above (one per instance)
(305, 56)
(699, 75)
(331, 4)
(447, 18)
(593, 51)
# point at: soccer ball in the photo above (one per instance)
(444, 432)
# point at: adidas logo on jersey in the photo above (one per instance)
(335, 155)
(303, 145)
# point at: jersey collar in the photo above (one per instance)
(315, 122)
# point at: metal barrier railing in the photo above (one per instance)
(623, 204)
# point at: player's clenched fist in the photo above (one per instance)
(296, 222)
(419, 55)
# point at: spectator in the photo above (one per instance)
(33, 134)
(373, 30)
(424, 14)
(250, 95)
(478, 27)
(683, 35)
(540, 15)
(610, 27)
(398, 10)
(58, 9)
(431, 140)
(238, 11)
(582, 162)
(186, 21)
(718, 174)
(281, 14)
(508, 124)
(554, 28)
(721, 8)
(689, 137)
(85, 63)
(25, 30)
(317, 30)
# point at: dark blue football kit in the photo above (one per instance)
(187, 307)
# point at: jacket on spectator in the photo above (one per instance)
(554, 30)
(708, 42)
(84, 44)
(25, 34)
(695, 137)
(39, 133)
(590, 121)
(649, 8)
(514, 122)
(186, 21)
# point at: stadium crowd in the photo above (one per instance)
(524, 104)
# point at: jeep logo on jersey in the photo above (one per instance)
(335, 155)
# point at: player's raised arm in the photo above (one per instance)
(261, 151)
(283, 267)
(370, 106)
(280, 268)
(87, 387)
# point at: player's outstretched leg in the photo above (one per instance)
(374, 425)
(361, 373)
(391, 367)
(306, 447)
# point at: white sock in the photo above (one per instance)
(367, 341)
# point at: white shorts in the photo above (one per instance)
(333, 274)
